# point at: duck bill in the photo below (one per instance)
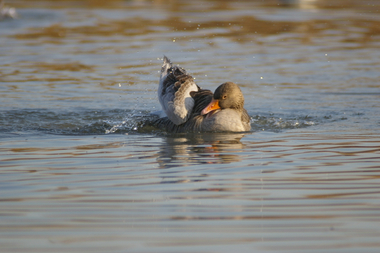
(212, 106)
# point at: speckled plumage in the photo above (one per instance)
(174, 92)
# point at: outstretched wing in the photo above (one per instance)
(174, 92)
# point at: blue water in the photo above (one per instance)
(82, 171)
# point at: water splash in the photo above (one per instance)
(115, 128)
(134, 123)
(80, 122)
(117, 121)
(273, 123)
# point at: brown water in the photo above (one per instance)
(81, 172)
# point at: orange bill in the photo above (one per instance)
(212, 106)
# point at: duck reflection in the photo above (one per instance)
(302, 4)
(206, 148)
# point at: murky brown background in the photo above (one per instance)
(81, 172)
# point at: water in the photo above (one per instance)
(82, 172)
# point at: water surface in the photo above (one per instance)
(81, 171)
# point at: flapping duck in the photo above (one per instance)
(189, 108)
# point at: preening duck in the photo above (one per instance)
(192, 109)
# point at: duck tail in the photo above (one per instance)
(167, 60)
(166, 66)
(169, 72)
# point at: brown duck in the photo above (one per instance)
(189, 108)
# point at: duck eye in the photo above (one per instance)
(224, 97)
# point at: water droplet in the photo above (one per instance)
(261, 77)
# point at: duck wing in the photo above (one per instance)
(194, 123)
(174, 92)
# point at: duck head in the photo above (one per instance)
(227, 95)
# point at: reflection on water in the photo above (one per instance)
(191, 149)
(191, 192)
(82, 170)
(245, 28)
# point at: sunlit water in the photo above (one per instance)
(82, 171)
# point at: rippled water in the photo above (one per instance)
(82, 171)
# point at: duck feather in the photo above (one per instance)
(174, 92)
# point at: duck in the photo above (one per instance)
(7, 12)
(189, 108)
